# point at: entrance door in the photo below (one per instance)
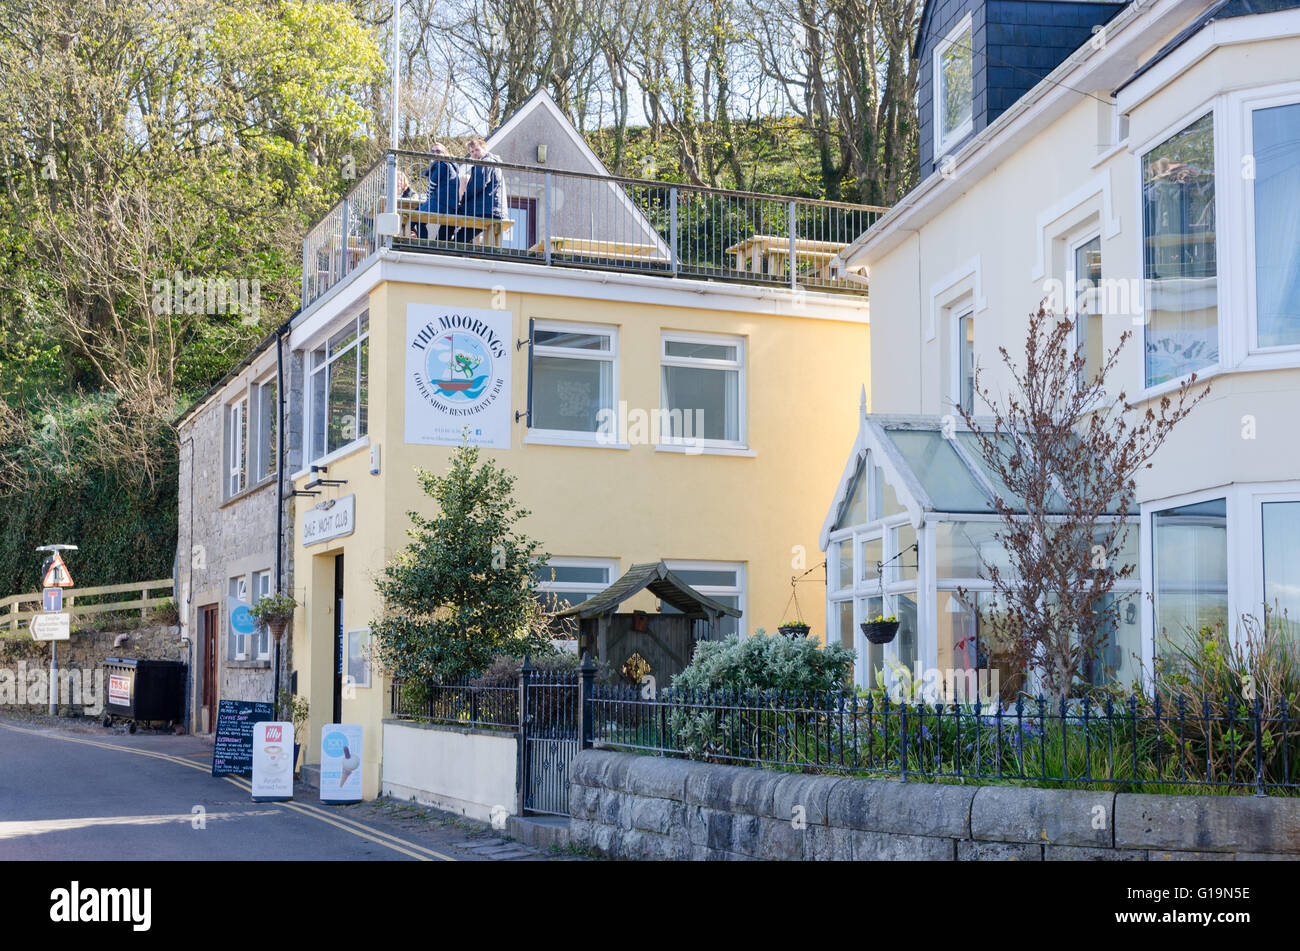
(208, 625)
(338, 639)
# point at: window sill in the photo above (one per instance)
(251, 490)
(537, 437)
(337, 454)
(706, 450)
(951, 140)
(249, 664)
(1171, 386)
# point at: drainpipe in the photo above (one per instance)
(184, 610)
(279, 497)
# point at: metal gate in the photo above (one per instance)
(549, 739)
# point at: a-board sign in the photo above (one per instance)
(272, 761)
(232, 747)
(340, 762)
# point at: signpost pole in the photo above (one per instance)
(54, 678)
(54, 574)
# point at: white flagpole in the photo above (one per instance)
(397, 69)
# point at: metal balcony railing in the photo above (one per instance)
(560, 218)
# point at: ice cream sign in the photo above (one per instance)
(340, 762)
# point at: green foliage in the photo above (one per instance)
(296, 709)
(763, 662)
(462, 592)
(273, 607)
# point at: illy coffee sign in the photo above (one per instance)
(332, 519)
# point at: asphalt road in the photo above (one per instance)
(69, 794)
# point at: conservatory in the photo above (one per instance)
(910, 534)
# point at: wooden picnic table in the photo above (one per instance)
(492, 230)
(589, 247)
(770, 253)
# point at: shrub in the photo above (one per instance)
(763, 662)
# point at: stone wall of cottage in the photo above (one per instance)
(647, 807)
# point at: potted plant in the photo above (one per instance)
(295, 709)
(881, 630)
(275, 611)
(794, 629)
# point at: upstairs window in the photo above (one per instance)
(953, 87)
(573, 377)
(1085, 283)
(965, 396)
(266, 426)
(339, 388)
(1179, 260)
(1276, 146)
(237, 448)
(702, 392)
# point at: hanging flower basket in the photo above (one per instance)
(880, 632)
(797, 629)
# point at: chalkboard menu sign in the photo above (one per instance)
(232, 750)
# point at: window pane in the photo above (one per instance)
(904, 565)
(886, 501)
(943, 475)
(571, 339)
(1191, 561)
(341, 340)
(569, 394)
(955, 83)
(709, 577)
(964, 548)
(700, 351)
(1179, 260)
(855, 505)
(242, 447)
(905, 640)
(872, 555)
(844, 621)
(572, 574)
(267, 413)
(1087, 279)
(1277, 224)
(1282, 563)
(363, 389)
(342, 403)
(704, 404)
(874, 658)
(845, 559)
(966, 344)
(319, 412)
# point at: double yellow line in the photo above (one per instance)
(397, 844)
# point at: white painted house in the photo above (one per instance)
(1157, 161)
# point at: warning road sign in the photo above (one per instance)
(56, 573)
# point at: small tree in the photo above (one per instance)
(1069, 454)
(462, 592)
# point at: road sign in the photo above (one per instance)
(56, 573)
(53, 599)
(51, 627)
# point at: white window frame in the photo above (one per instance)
(723, 340)
(1072, 246)
(941, 141)
(962, 309)
(308, 402)
(568, 437)
(1242, 109)
(257, 462)
(579, 587)
(240, 641)
(262, 639)
(737, 590)
(237, 462)
(1223, 243)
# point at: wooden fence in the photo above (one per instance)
(17, 610)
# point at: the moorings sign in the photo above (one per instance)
(458, 376)
(332, 519)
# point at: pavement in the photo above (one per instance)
(72, 790)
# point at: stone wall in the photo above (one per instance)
(646, 807)
(28, 660)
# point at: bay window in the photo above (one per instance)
(1190, 553)
(1280, 528)
(1276, 149)
(1179, 254)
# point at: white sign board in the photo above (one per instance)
(340, 762)
(458, 375)
(333, 519)
(51, 627)
(272, 761)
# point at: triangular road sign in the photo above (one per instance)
(56, 573)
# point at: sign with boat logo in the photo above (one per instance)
(458, 375)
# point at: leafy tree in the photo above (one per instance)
(1068, 451)
(462, 592)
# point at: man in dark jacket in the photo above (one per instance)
(443, 178)
(483, 193)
